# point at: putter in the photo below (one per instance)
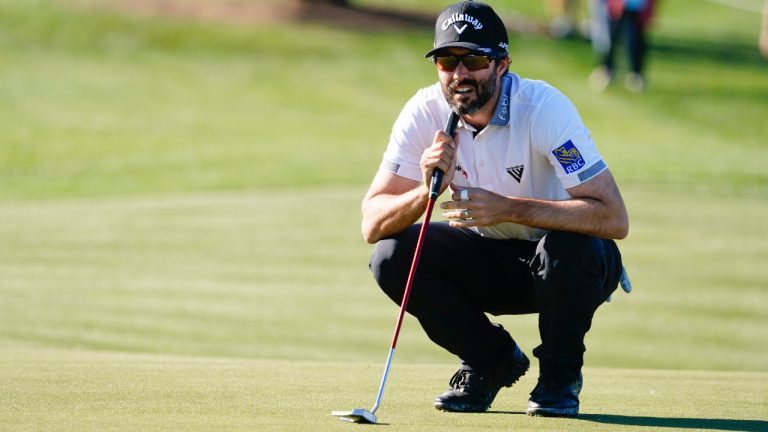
(360, 415)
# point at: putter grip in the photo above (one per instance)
(437, 175)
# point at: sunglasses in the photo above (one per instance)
(470, 61)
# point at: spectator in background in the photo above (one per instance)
(764, 31)
(599, 28)
(565, 18)
(628, 21)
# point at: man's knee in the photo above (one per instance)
(390, 262)
(565, 248)
(568, 259)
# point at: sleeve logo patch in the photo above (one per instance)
(391, 166)
(569, 157)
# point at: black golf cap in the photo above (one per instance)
(473, 25)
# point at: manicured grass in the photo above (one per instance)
(283, 274)
(74, 390)
(156, 106)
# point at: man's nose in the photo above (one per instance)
(460, 72)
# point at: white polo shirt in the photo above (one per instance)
(536, 146)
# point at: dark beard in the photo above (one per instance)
(484, 91)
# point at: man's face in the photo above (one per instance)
(466, 91)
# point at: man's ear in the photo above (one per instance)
(502, 64)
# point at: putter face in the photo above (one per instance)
(357, 415)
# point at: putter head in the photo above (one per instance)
(357, 415)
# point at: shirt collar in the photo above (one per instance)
(501, 115)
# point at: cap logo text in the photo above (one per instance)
(459, 17)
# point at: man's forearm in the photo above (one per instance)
(581, 215)
(385, 214)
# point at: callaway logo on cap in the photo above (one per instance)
(472, 25)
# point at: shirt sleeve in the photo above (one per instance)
(412, 133)
(559, 135)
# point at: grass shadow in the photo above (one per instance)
(679, 423)
(668, 422)
(506, 412)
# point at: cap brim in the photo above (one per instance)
(468, 45)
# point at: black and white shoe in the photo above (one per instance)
(473, 390)
(555, 397)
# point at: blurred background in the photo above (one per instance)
(184, 176)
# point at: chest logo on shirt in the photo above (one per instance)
(569, 157)
(516, 172)
(461, 170)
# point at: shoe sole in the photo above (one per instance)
(459, 408)
(553, 412)
(519, 370)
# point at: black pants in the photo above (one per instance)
(630, 28)
(564, 277)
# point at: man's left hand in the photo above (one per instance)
(481, 208)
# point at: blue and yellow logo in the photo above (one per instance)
(569, 157)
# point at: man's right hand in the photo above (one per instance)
(441, 155)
